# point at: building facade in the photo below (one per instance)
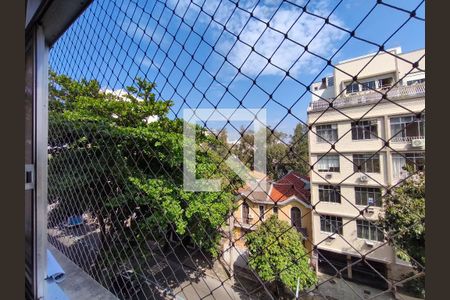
(289, 198)
(358, 146)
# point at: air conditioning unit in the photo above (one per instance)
(332, 237)
(370, 243)
(328, 175)
(363, 178)
(418, 143)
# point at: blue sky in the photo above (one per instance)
(169, 41)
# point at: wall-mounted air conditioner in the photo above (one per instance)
(331, 237)
(418, 143)
(363, 178)
(369, 243)
(328, 175)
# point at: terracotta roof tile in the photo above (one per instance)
(292, 184)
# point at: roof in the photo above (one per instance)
(292, 186)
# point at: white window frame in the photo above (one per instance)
(366, 127)
(368, 159)
(332, 129)
(398, 135)
(370, 226)
(323, 159)
(368, 190)
(397, 170)
(332, 219)
(331, 191)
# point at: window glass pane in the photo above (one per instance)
(328, 163)
(326, 133)
(369, 163)
(370, 85)
(364, 130)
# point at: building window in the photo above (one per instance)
(328, 163)
(275, 210)
(364, 130)
(331, 224)
(261, 212)
(296, 218)
(369, 163)
(385, 82)
(367, 230)
(326, 133)
(415, 160)
(407, 127)
(245, 213)
(415, 81)
(352, 88)
(330, 81)
(368, 196)
(369, 85)
(328, 193)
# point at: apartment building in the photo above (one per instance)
(352, 165)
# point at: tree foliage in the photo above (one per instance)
(278, 256)
(120, 158)
(404, 218)
(284, 153)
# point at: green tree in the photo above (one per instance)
(276, 150)
(404, 222)
(298, 150)
(107, 158)
(278, 256)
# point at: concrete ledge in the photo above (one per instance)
(77, 284)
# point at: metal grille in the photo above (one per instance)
(121, 78)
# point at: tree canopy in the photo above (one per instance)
(284, 153)
(404, 221)
(278, 256)
(120, 157)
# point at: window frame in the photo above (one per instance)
(415, 81)
(368, 85)
(333, 193)
(321, 129)
(373, 233)
(359, 190)
(332, 219)
(262, 211)
(327, 157)
(350, 88)
(408, 157)
(364, 128)
(404, 124)
(365, 159)
(297, 226)
(245, 219)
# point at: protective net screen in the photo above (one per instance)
(241, 149)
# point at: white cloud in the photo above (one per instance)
(270, 42)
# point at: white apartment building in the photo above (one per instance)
(341, 193)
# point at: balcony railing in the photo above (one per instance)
(406, 139)
(367, 97)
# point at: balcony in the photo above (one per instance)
(246, 223)
(368, 97)
(406, 139)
